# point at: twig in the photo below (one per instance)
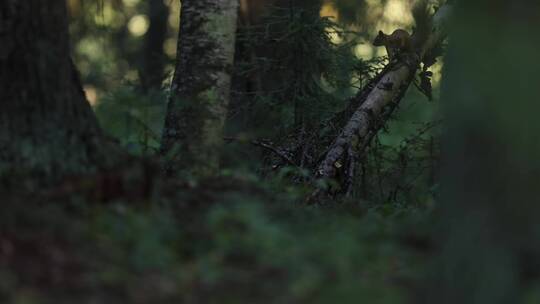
(266, 146)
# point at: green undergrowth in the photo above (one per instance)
(217, 241)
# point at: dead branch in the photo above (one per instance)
(268, 146)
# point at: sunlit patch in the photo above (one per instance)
(373, 11)
(106, 16)
(169, 47)
(91, 94)
(174, 16)
(138, 25)
(74, 7)
(373, 2)
(132, 76)
(169, 68)
(132, 3)
(392, 15)
(334, 37)
(380, 51)
(91, 48)
(328, 10)
(397, 11)
(174, 21)
(364, 51)
(436, 69)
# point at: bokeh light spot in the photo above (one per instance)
(138, 25)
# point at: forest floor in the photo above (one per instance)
(222, 240)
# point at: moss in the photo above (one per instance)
(221, 27)
(210, 97)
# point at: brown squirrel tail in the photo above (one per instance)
(422, 14)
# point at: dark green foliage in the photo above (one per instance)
(234, 244)
(243, 236)
(293, 73)
(405, 172)
(134, 118)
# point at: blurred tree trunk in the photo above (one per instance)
(192, 137)
(488, 219)
(46, 124)
(278, 68)
(154, 58)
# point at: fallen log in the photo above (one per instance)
(380, 101)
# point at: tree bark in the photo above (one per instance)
(153, 57)
(382, 97)
(197, 108)
(46, 124)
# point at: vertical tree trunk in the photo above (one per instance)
(154, 57)
(192, 136)
(489, 211)
(46, 124)
(273, 32)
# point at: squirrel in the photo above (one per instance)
(398, 41)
